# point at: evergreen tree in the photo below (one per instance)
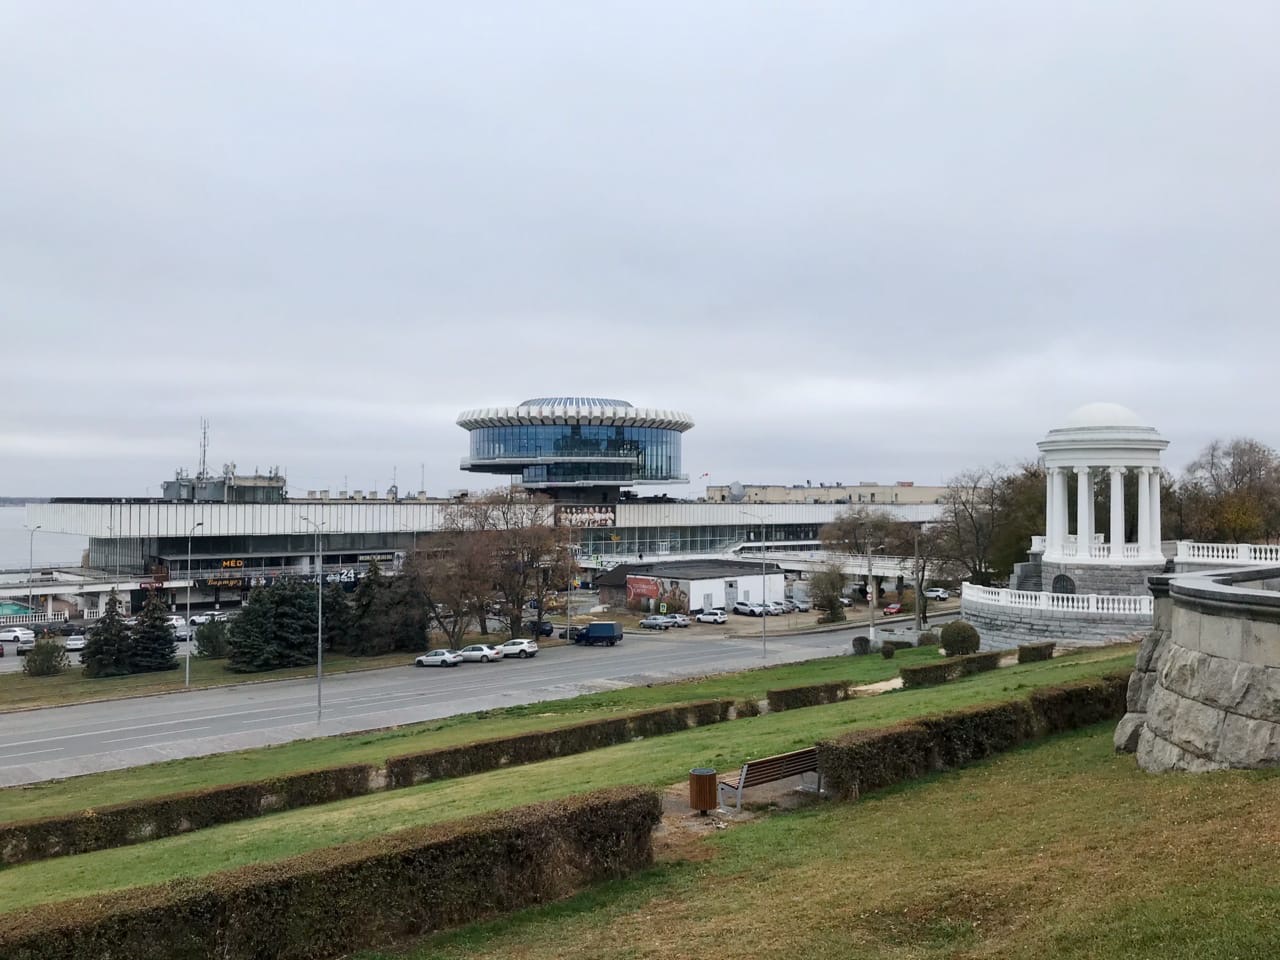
(371, 634)
(108, 647)
(155, 645)
(337, 619)
(211, 640)
(250, 648)
(293, 622)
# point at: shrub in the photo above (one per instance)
(338, 900)
(931, 674)
(47, 659)
(899, 644)
(872, 759)
(959, 637)
(927, 639)
(887, 650)
(861, 646)
(211, 640)
(1031, 652)
(791, 698)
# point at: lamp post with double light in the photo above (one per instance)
(319, 619)
(190, 636)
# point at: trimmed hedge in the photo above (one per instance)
(959, 638)
(123, 824)
(927, 639)
(872, 759)
(952, 668)
(1033, 652)
(484, 755)
(138, 821)
(813, 695)
(333, 901)
(898, 644)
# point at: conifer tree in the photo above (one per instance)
(155, 645)
(293, 621)
(337, 619)
(108, 647)
(249, 640)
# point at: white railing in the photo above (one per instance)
(1038, 544)
(32, 618)
(1259, 553)
(1059, 602)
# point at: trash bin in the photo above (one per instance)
(702, 790)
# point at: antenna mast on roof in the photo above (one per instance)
(203, 472)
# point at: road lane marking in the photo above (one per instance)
(29, 753)
(146, 736)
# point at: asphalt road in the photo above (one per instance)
(66, 741)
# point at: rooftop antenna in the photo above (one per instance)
(203, 472)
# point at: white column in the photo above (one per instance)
(1117, 513)
(1048, 508)
(1092, 525)
(1144, 511)
(1155, 513)
(1060, 505)
(1082, 512)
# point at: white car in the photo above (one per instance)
(200, 619)
(520, 648)
(679, 620)
(74, 643)
(712, 616)
(774, 609)
(481, 652)
(17, 633)
(938, 593)
(438, 658)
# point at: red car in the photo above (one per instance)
(891, 608)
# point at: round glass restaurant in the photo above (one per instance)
(580, 449)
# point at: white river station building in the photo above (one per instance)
(589, 455)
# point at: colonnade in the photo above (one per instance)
(1085, 543)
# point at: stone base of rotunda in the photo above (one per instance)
(1127, 581)
(1003, 628)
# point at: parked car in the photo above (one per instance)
(846, 601)
(16, 634)
(712, 616)
(176, 622)
(438, 658)
(892, 609)
(656, 621)
(803, 606)
(481, 652)
(520, 648)
(74, 644)
(679, 620)
(774, 609)
(607, 632)
(26, 645)
(200, 619)
(68, 629)
(938, 593)
(746, 609)
(540, 629)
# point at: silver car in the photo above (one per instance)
(438, 658)
(481, 652)
(74, 643)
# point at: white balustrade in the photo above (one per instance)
(32, 618)
(1230, 553)
(1132, 551)
(1084, 603)
(1037, 544)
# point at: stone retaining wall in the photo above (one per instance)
(1003, 628)
(1100, 578)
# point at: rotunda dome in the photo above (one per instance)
(1103, 415)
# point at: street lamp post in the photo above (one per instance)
(31, 566)
(764, 589)
(319, 619)
(871, 593)
(189, 636)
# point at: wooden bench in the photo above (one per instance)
(768, 770)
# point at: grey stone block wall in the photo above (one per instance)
(1100, 578)
(1002, 628)
(1146, 669)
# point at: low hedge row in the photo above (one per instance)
(135, 822)
(123, 824)
(952, 668)
(1033, 652)
(812, 695)
(872, 759)
(484, 755)
(330, 902)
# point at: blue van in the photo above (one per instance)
(607, 632)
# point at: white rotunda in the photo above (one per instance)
(1100, 443)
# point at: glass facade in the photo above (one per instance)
(657, 541)
(626, 454)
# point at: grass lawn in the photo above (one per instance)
(20, 692)
(101, 789)
(1060, 849)
(658, 761)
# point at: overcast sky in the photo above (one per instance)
(855, 241)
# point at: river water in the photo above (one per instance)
(46, 548)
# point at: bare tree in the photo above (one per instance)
(1231, 492)
(970, 516)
